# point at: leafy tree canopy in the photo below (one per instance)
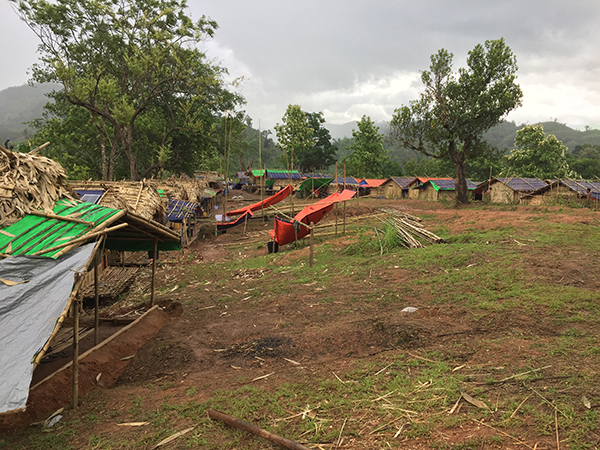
(134, 68)
(454, 111)
(294, 136)
(538, 156)
(369, 158)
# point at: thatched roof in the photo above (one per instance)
(29, 181)
(183, 188)
(140, 197)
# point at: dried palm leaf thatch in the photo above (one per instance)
(183, 188)
(28, 182)
(140, 197)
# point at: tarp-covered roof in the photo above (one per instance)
(177, 210)
(403, 182)
(73, 223)
(90, 195)
(349, 180)
(521, 184)
(449, 184)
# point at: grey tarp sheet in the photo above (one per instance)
(28, 314)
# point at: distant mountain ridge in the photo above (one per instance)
(21, 104)
(501, 136)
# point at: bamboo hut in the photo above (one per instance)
(139, 197)
(397, 187)
(508, 190)
(565, 192)
(441, 189)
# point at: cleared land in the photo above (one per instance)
(502, 352)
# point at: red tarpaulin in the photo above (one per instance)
(286, 231)
(234, 223)
(272, 200)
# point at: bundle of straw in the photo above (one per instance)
(28, 182)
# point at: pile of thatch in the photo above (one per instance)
(29, 181)
(183, 188)
(140, 197)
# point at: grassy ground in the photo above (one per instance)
(501, 353)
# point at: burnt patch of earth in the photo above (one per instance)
(272, 347)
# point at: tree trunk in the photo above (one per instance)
(126, 140)
(462, 193)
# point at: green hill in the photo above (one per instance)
(19, 105)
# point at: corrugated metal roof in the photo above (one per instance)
(403, 182)
(450, 184)
(349, 180)
(283, 174)
(523, 184)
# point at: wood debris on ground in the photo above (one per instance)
(410, 229)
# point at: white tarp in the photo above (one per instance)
(28, 314)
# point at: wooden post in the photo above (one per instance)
(344, 224)
(312, 238)
(336, 190)
(96, 300)
(153, 272)
(75, 311)
(357, 205)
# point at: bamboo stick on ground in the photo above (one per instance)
(237, 423)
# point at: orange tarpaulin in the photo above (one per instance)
(272, 200)
(286, 231)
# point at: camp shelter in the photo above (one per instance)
(273, 179)
(440, 189)
(397, 187)
(340, 183)
(564, 192)
(415, 187)
(184, 218)
(139, 197)
(29, 181)
(508, 190)
(42, 253)
(313, 187)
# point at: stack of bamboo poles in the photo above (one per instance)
(410, 229)
(29, 182)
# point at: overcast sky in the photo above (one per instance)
(349, 58)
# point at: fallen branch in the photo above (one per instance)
(237, 423)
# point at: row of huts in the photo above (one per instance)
(506, 190)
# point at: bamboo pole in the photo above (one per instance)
(153, 272)
(137, 200)
(75, 309)
(63, 218)
(312, 239)
(96, 301)
(337, 188)
(344, 223)
(237, 423)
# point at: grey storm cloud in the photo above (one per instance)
(348, 58)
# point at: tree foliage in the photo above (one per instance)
(537, 155)
(455, 110)
(294, 136)
(369, 158)
(133, 66)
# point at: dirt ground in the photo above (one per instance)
(209, 342)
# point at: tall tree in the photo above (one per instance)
(321, 153)
(293, 134)
(368, 158)
(454, 111)
(122, 61)
(537, 155)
